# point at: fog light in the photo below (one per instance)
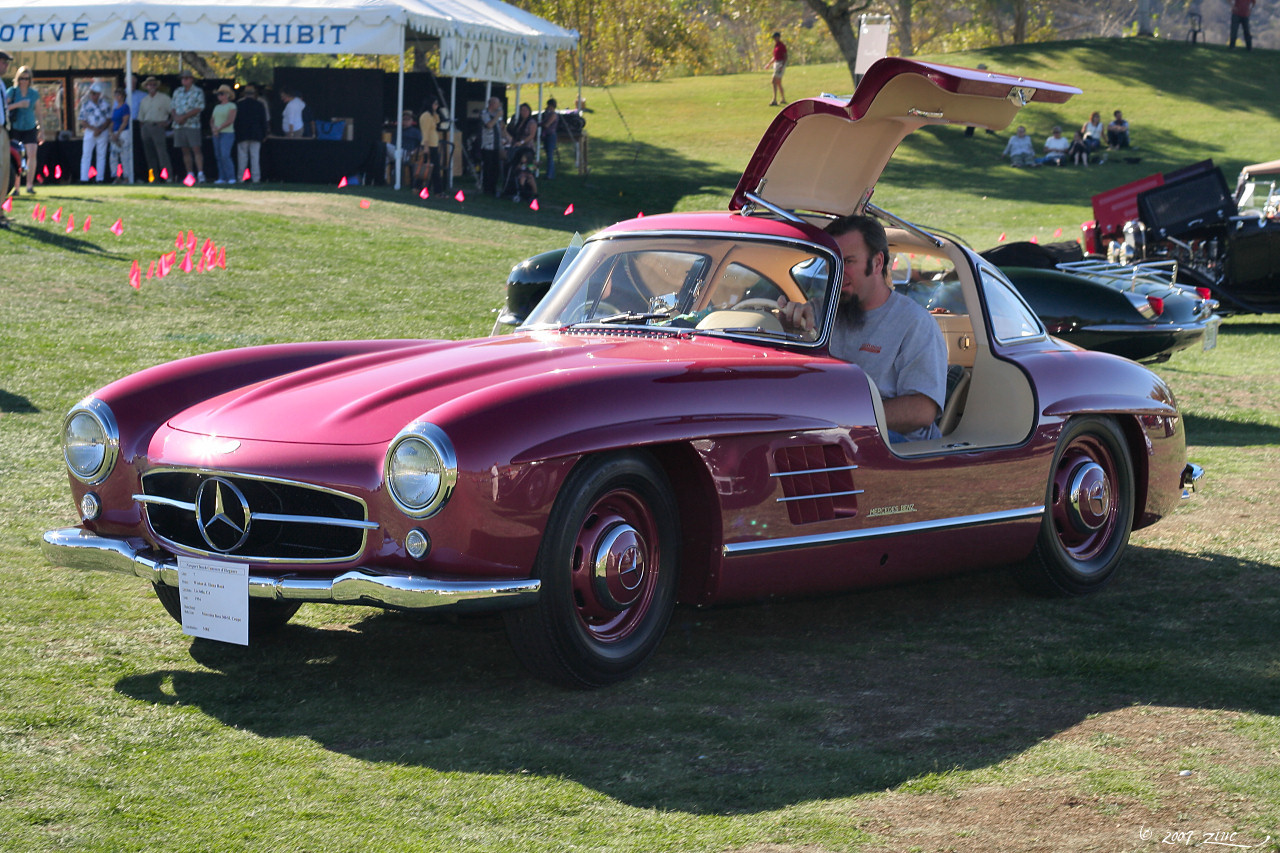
(417, 543)
(90, 506)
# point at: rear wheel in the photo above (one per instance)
(608, 568)
(1089, 506)
(264, 616)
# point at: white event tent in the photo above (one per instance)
(485, 40)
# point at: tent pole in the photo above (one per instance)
(404, 46)
(128, 99)
(453, 124)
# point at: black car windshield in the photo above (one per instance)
(729, 286)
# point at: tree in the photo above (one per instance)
(840, 16)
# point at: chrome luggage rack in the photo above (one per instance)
(1126, 276)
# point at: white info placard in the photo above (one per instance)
(215, 599)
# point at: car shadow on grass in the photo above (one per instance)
(756, 707)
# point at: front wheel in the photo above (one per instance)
(608, 567)
(1089, 507)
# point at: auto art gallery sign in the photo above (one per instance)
(24, 32)
(521, 61)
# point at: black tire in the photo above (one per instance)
(264, 616)
(608, 566)
(1089, 508)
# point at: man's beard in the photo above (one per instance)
(850, 311)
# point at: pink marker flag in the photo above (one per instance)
(151, 271)
(222, 257)
(93, 172)
(459, 196)
(44, 213)
(71, 223)
(135, 276)
(87, 220)
(189, 180)
(164, 174)
(568, 210)
(245, 177)
(640, 214)
(1057, 233)
(533, 205)
(45, 171)
(57, 215)
(200, 264)
(1001, 238)
(186, 262)
(119, 170)
(35, 213)
(425, 194)
(342, 183)
(191, 239)
(180, 240)
(57, 172)
(1035, 239)
(118, 228)
(7, 204)
(364, 204)
(163, 263)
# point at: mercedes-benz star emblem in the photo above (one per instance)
(222, 514)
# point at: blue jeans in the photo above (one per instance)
(549, 147)
(223, 143)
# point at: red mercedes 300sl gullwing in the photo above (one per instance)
(654, 433)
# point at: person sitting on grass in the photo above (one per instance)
(1019, 149)
(1055, 148)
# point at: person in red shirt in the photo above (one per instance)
(780, 65)
(1240, 10)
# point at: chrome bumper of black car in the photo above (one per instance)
(77, 548)
(1191, 477)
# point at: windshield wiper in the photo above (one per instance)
(625, 317)
(753, 330)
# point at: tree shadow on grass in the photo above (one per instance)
(16, 404)
(1220, 432)
(756, 707)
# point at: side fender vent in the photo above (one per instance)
(817, 483)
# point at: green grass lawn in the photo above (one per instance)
(954, 715)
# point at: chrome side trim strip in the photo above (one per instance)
(792, 543)
(820, 495)
(814, 471)
(77, 548)
(267, 516)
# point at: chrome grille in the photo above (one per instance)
(817, 483)
(245, 517)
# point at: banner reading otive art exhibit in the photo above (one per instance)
(210, 33)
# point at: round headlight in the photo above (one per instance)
(421, 469)
(90, 441)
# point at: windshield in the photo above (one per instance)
(712, 283)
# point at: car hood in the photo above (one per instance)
(825, 155)
(369, 398)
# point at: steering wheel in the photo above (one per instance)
(755, 303)
(588, 309)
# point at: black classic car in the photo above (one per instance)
(1220, 241)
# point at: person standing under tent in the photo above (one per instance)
(121, 140)
(550, 126)
(188, 104)
(155, 111)
(493, 133)
(222, 126)
(251, 129)
(24, 124)
(95, 115)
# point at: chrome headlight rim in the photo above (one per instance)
(100, 413)
(435, 440)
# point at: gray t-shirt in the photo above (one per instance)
(900, 347)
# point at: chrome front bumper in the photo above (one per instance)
(79, 549)
(1191, 477)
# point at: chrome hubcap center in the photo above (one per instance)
(1089, 497)
(618, 567)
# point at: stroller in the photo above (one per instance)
(521, 182)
